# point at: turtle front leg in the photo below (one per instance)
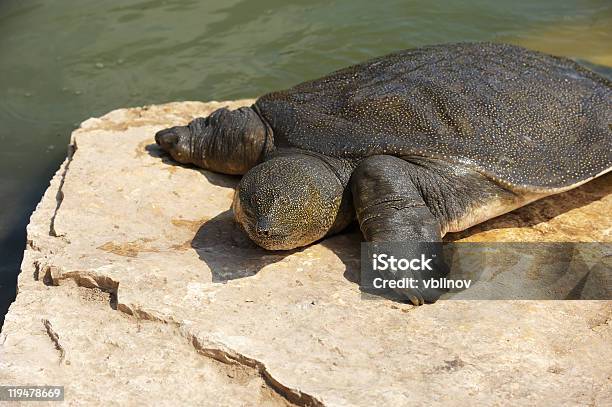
(390, 209)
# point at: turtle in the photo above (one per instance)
(412, 145)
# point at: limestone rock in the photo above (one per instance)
(138, 288)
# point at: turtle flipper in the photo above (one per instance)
(390, 209)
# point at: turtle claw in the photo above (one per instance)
(416, 300)
(420, 296)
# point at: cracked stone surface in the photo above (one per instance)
(138, 288)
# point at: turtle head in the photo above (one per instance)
(227, 141)
(291, 201)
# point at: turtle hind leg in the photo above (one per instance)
(392, 212)
(460, 197)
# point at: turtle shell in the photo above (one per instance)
(526, 119)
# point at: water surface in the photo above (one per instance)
(63, 62)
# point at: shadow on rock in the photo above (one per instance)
(219, 242)
(347, 246)
(228, 251)
(221, 180)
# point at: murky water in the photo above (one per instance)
(62, 62)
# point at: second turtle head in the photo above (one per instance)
(227, 141)
(291, 201)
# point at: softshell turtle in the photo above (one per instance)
(414, 144)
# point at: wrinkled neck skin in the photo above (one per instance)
(230, 142)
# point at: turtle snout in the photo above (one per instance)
(176, 141)
(263, 228)
(167, 139)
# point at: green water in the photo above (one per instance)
(64, 61)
